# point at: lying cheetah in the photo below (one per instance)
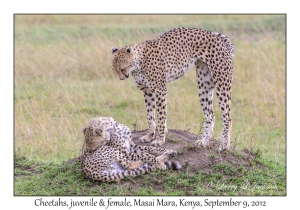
(154, 63)
(111, 155)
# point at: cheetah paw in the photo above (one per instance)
(161, 166)
(201, 143)
(169, 154)
(147, 138)
(172, 154)
(223, 147)
(157, 143)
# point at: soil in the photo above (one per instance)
(194, 159)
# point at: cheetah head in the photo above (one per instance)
(123, 61)
(97, 133)
(93, 138)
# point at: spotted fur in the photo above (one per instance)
(110, 153)
(154, 63)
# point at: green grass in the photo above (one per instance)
(265, 178)
(63, 78)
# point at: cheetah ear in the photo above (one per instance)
(84, 130)
(114, 49)
(98, 132)
(130, 50)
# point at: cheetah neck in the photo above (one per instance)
(137, 65)
(141, 75)
(138, 57)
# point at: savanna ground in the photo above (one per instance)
(63, 78)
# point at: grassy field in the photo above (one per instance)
(63, 78)
(264, 178)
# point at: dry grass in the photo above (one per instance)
(63, 78)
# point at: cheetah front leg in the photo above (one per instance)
(150, 107)
(161, 103)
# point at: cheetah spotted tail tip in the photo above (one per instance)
(173, 165)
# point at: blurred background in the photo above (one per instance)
(63, 77)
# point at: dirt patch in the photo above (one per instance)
(194, 159)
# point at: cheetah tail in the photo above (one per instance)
(227, 42)
(173, 165)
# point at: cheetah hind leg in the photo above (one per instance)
(205, 86)
(135, 165)
(139, 163)
(164, 161)
(164, 158)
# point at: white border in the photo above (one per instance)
(8, 201)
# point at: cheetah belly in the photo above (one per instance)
(114, 167)
(175, 72)
(127, 144)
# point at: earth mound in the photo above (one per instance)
(194, 159)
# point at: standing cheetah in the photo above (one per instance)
(154, 63)
(111, 155)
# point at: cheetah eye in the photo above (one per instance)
(122, 70)
(84, 130)
(98, 132)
